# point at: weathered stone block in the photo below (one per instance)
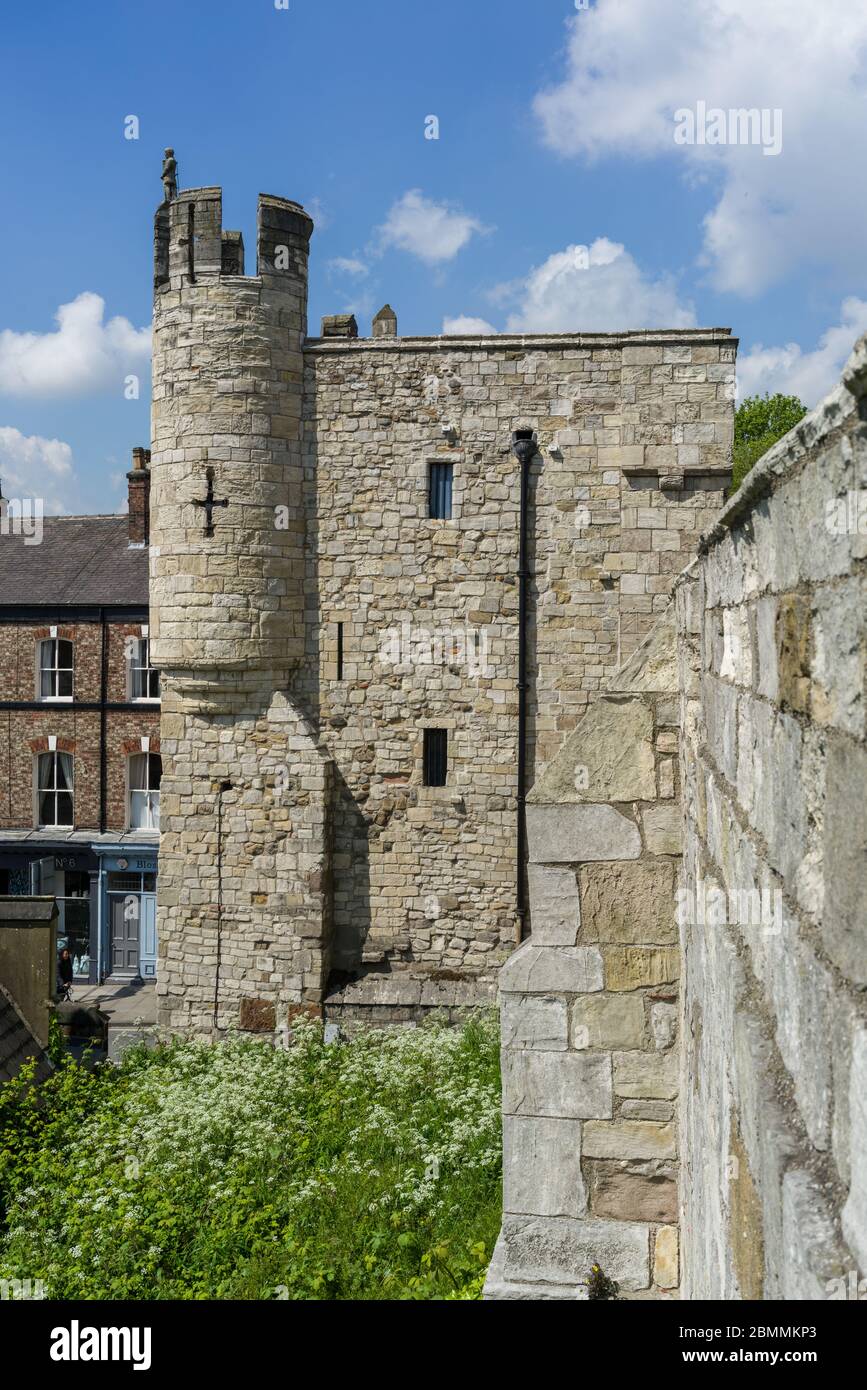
(665, 1258)
(257, 1016)
(536, 1021)
(631, 967)
(646, 1075)
(811, 1258)
(608, 757)
(660, 1110)
(855, 1210)
(745, 1233)
(627, 1193)
(536, 969)
(837, 694)
(628, 902)
(579, 833)
(793, 651)
(542, 1167)
(766, 646)
(843, 919)
(628, 1139)
(571, 1086)
(562, 1251)
(554, 905)
(663, 1024)
(608, 1020)
(500, 1289)
(663, 832)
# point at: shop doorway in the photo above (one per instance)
(131, 924)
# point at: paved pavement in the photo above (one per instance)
(133, 1002)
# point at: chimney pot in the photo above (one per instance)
(385, 323)
(339, 326)
(139, 483)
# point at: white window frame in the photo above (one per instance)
(151, 794)
(134, 664)
(54, 668)
(38, 789)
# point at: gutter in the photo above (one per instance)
(524, 449)
(103, 726)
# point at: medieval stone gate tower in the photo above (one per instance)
(243, 886)
(337, 539)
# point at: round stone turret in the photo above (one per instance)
(227, 532)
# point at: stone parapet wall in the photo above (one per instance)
(773, 632)
(589, 1006)
(764, 926)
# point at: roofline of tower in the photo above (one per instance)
(449, 341)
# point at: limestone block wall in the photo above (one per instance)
(634, 435)
(244, 887)
(773, 631)
(589, 1005)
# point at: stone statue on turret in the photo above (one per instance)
(170, 177)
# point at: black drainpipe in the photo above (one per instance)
(223, 787)
(103, 724)
(524, 449)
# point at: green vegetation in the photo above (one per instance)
(759, 422)
(359, 1170)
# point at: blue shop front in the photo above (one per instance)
(128, 911)
(106, 899)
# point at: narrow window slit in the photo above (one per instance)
(440, 490)
(435, 757)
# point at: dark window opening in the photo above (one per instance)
(191, 241)
(435, 757)
(340, 651)
(440, 491)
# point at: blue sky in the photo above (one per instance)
(556, 132)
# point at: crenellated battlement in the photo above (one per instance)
(190, 243)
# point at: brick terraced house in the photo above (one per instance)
(80, 760)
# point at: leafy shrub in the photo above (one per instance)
(359, 1170)
(759, 422)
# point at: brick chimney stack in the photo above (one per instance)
(139, 479)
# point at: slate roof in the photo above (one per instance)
(17, 1043)
(81, 560)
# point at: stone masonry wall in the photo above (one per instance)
(773, 627)
(634, 434)
(589, 1005)
(317, 453)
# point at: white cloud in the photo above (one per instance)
(83, 356)
(31, 466)
(465, 324)
(434, 232)
(631, 65)
(599, 288)
(316, 209)
(808, 375)
(347, 265)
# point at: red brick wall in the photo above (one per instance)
(24, 733)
